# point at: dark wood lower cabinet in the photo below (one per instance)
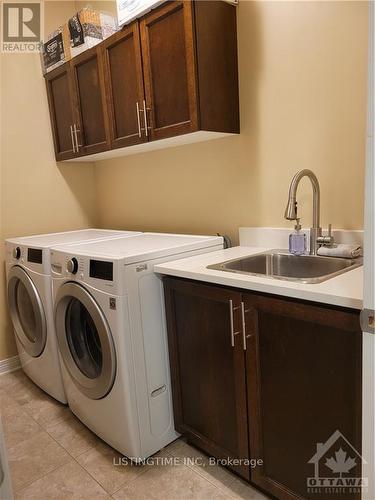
(304, 385)
(208, 369)
(300, 366)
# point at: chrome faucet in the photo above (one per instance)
(316, 238)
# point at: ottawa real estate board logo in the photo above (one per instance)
(337, 468)
(21, 30)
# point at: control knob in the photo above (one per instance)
(16, 252)
(72, 266)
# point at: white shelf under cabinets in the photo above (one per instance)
(180, 140)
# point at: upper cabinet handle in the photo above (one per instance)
(72, 137)
(145, 117)
(76, 130)
(138, 121)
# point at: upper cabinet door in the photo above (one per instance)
(61, 112)
(124, 87)
(167, 37)
(92, 126)
(208, 369)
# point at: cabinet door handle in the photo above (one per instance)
(72, 137)
(231, 311)
(76, 131)
(145, 117)
(138, 120)
(244, 336)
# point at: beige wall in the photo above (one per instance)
(108, 6)
(37, 195)
(303, 105)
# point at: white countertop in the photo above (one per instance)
(345, 290)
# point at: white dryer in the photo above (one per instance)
(28, 271)
(111, 331)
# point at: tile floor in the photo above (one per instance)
(52, 455)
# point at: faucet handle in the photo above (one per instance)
(327, 240)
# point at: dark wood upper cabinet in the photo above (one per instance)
(168, 74)
(90, 103)
(190, 68)
(60, 103)
(217, 66)
(300, 366)
(168, 50)
(304, 384)
(124, 87)
(208, 368)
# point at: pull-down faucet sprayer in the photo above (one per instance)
(316, 238)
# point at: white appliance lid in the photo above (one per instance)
(146, 246)
(68, 237)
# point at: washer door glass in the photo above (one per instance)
(85, 341)
(26, 311)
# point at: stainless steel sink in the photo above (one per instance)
(280, 264)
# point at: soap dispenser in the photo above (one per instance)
(297, 240)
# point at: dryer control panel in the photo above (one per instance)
(102, 274)
(33, 258)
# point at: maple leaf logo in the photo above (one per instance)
(340, 464)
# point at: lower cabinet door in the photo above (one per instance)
(304, 398)
(208, 369)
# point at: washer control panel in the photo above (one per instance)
(100, 273)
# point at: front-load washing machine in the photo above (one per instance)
(29, 287)
(111, 332)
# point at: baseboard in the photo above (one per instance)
(9, 365)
